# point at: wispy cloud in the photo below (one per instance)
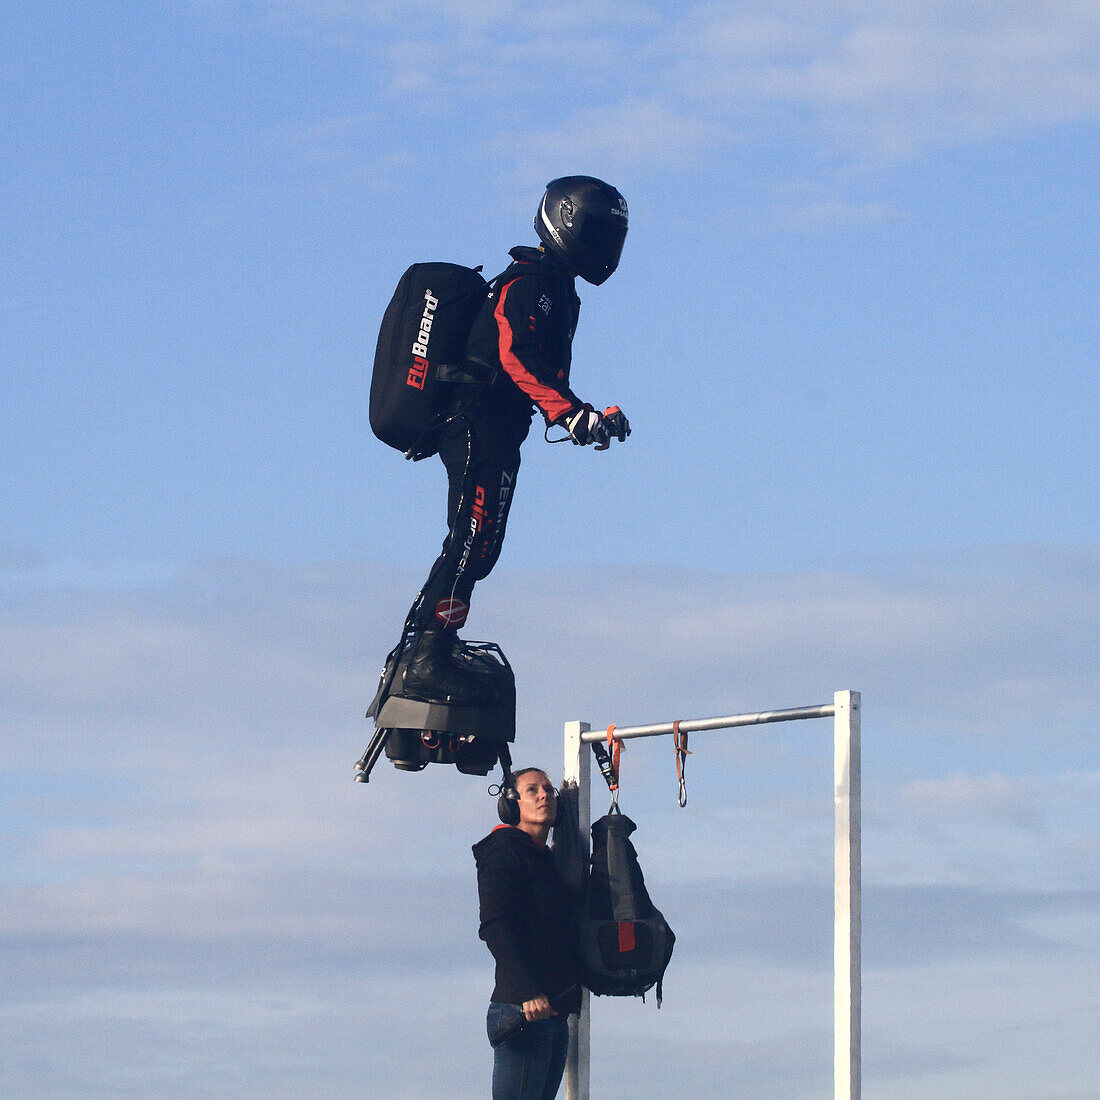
(832, 213)
(182, 838)
(880, 81)
(965, 794)
(614, 140)
(868, 83)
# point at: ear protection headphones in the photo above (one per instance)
(508, 799)
(508, 805)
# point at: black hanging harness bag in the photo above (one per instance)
(626, 943)
(420, 356)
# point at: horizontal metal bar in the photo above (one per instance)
(698, 725)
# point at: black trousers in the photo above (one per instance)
(480, 451)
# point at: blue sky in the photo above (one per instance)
(854, 331)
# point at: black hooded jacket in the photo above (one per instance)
(525, 328)
(528, 919)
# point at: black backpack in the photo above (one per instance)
(421, 354)
(626, 943)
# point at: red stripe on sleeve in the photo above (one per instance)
(546, 397)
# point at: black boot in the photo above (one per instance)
(432, 675)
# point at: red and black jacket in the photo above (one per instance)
(526, 329)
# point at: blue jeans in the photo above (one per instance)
(529, 1065)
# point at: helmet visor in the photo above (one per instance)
(602, 240)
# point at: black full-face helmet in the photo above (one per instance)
(582, 221)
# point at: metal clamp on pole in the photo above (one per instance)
(607, 769)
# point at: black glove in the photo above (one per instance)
(618, 427)
(585, 426)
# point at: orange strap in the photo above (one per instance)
(680, 741)
(616, 746)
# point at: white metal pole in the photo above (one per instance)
(845, 711)
(846, 897)
(578, 769)
(700, 725)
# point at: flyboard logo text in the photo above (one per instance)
(477, 521)
(480, 520)
(419, 370)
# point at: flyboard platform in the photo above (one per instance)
(416, 732)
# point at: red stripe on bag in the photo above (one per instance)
(626, 937)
